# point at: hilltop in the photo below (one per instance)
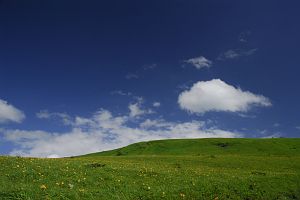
(209, 146)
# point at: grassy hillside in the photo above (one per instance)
(211, 146)
(181, 169)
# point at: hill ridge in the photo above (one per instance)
(209, 146)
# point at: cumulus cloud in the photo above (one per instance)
(199, 62)
(216, 95)
(9, 113)
(105, 131)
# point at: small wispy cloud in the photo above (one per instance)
(150, 67)
(136, 109)
(45, 114)
(131, 76)
(230, 54)
(199, 62)
(236, 53)
(298, 127)
(249, 52)
(276, 125)
(246, 115)
(184, 86)
(156, 104)
(121, 93)
(244, 36)
(275, 135)
(266, 133)
(141, 71)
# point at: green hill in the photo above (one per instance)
(213, 169)
(211, 146)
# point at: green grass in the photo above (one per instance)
(218, 146)
(168, 169)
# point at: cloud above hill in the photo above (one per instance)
(104, 131)
(216, 95)
(9, 113)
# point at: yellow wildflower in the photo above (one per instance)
(43, 187)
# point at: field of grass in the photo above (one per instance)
(168, 169)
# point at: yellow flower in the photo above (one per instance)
(70, 186)
(43, 187)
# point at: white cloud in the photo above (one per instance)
(10, 113)
(104, 119)
(199, 62)
(141, 71)
(233, 54)
(131, 76)
(216, 95)
(104, 131)
(22, 135)
(230, 54)
(249, 52)
(150, 67)
(160, 123)
(44, 114)
(246, 115)
(44, 144)
(136, 109)
(298, 127)
(276, 124)
(121, 93)
(275, 135)
(156, 104)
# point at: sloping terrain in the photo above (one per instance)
(167, 169)
(211, 146)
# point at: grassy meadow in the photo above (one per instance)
(167, 169)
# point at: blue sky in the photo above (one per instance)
(78, 77)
